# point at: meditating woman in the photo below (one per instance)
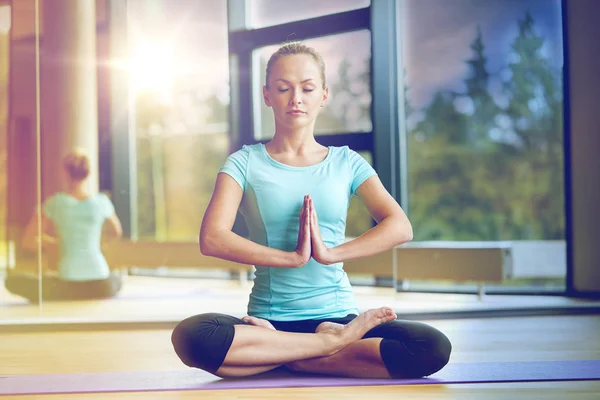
(294, 195)
(72, 223)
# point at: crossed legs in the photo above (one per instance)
(373, 345)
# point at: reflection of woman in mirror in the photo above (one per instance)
(294, 194)
(73, 223)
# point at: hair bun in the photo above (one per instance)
(77, 164)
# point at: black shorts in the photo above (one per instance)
(409, 349)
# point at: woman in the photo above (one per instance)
(72, 225)
(294, 194)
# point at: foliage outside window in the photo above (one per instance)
(486, 152)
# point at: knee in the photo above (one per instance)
(436, 352)
(184, 338)
(202, 341)
(439, 352)
(418, 356)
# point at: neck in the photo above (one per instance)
(296, 141)
(76, 187)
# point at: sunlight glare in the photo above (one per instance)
(152, 69)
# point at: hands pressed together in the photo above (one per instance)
(310, 242)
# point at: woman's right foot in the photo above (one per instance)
(329, 327)
(359, 326)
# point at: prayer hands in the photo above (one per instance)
(310, 243)
(319, 252)
(303, 248)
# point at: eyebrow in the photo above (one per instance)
(304, 81)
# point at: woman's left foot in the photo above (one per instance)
(258, 322)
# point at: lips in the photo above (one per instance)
(296, 112)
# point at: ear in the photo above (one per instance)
(325, 96)
(266, 96)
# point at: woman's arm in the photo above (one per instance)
(218, 240)
(393, 227)
(30, 237)
(112, 227)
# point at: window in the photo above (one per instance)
(348, 110)
(484, 102)
(273, 12)
(181, 88)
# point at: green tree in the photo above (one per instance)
(443, 204)
(467, 184)
(456, 177)
(485, 110)
(441, 120)
(535, 107)
(350, 103)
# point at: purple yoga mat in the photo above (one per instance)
(192, 379)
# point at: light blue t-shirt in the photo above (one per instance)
(78, 224)
(273, 197)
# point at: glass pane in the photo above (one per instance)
(484, 107)
(20, 264)
(273, 12)
(181, 89)
(348, 66)
(359, 220)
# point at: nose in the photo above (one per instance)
(296, 99)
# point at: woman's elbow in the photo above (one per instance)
(204, 247)
(117, 232)
(113, 234)
(406, 233)
(207, 244)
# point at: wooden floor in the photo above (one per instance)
(548, 338)
(474, 340)
(514, 391)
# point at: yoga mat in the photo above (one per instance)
(192, 379)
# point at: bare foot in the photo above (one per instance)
(366, 321)
(329, 327)
(258, 322)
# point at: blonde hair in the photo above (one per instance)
(77, 165)
(292, 49)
